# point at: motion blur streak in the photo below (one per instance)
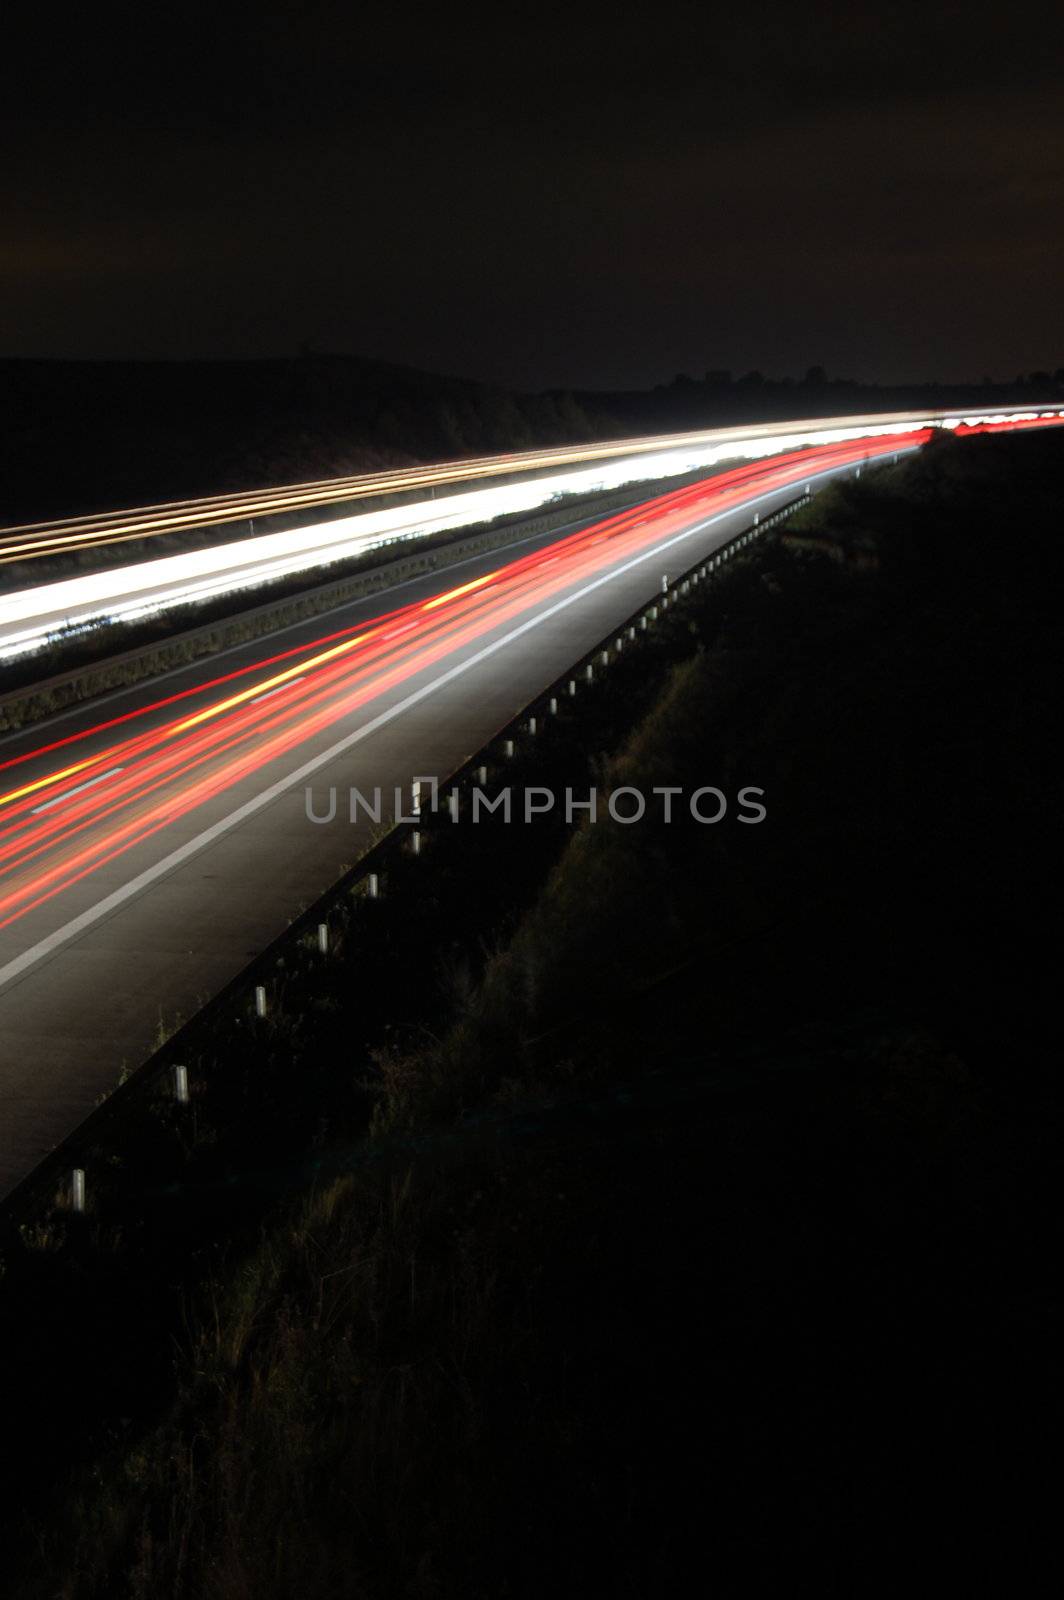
(31, 617)
(214, 510)
(138, 782)
(144, 780)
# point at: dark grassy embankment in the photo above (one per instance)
(703, 1239)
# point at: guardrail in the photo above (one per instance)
(66, 1173)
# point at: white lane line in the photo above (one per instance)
(265, 695)
(57, 800)
(367, 602)
(54, 941)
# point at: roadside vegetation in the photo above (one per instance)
(620, 1204)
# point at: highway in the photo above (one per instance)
(153, 843)
(143, 522)
(31, 616)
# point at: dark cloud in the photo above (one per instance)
(552, 196)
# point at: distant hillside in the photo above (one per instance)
(94, 436)
(89, 436)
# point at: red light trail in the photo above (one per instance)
(179, 752)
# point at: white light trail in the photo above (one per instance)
(30, 619)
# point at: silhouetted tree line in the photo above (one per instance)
(718, 397)
(87, 436)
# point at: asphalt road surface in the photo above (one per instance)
(155, 842)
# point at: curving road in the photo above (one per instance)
(30, 616)
(154, 843)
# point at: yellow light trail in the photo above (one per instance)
(279, 678)
(43, 783)
(198, 717)
(465, 588)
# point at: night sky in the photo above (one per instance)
(543, 197)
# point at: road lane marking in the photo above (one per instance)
(57, 800)
(52, 942)
(267, 693)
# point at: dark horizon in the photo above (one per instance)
(713, 377)
(566, 206)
